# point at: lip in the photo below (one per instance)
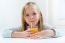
(31, 21)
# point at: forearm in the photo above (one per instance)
(16, 34)
(23, 34)
(48, 33)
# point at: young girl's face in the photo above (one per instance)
(32, 15)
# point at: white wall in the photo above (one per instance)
(9, 14)
(57, 9)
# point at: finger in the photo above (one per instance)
(34, 34)
(34, 37)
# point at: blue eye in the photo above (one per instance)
(34, 13)
(27, 14)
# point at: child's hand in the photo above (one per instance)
(36, 35)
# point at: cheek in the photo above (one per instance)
(26, 19)
(37, 17)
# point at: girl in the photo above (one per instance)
(32, 17)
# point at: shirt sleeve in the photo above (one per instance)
(60, 32)
(7, 33)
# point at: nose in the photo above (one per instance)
(31, 17)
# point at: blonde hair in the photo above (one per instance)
(24, 24)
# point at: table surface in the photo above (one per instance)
(22, 40)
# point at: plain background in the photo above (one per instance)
(53, 12)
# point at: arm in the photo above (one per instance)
(23, 34)
(46, 33)
(15, 33)
(8, 32)
(43, 34)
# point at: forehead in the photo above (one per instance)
(31, 8)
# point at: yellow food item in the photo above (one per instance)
(34, 30)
